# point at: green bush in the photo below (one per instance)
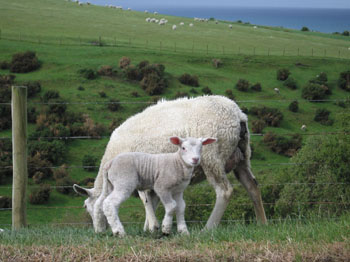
(87, 181)
(282, 145)
(271, 116)
(5, 202)
(60, 172)
(89, 163)
(344, 80)
(294, 106)
(38, 163)
(143, 64)
(305, 29)
(51, 94)
(6, 81)
(33, 88)
(256, 87)
(88, 73)
(53, 152)
(38, 177)
(322, 168)
(153, 84)
(124, 62)
(283, 74)
(24, 62)
(4, 65)
(230, 94)
(206, 90)
(290, 83)
(133, 73)
(40, 195)
(114, 105)
(258, 126)
(189, 80)
(242, 85)
(314, 91)
(322, 116)
(180, 94)
(58, 109)
(102, 94)
(5, 159)
(65, 185)
(106, 70)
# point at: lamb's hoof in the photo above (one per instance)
(154, 229)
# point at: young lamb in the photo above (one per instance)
(167, 174)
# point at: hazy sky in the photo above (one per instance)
(248, 3)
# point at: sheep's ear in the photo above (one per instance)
(83, 191)
(176, 140)
(207, 141)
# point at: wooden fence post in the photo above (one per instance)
(19, 158)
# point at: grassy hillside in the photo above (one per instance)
(64, 37)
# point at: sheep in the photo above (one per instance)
(205, 116)
(155, 13)
(167, 174)
(174, 27)
(162, 22)
(277, 91)
(255, 27)
(182, 23)
(146, 12)
(303, 128)
(191, 25)
(230, 26)
(2, 230)
(148, 19)
(129, 9)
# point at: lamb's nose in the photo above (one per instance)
(195, 160)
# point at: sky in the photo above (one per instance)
(246, 3)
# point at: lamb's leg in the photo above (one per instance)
(180, 213)
(151, 222)
(170, 208)
(246, 177)
(99, 219)
(110, 208)
(215, 173)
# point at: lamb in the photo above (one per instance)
(277, 91)
(167, 174)
(303, 128)
(206, 116)
(174, 27)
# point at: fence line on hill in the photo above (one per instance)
(175, 47)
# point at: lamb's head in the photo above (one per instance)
(90, 201)
(190, 148)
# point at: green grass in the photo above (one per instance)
(66, 32)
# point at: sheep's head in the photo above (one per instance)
(90, 201)
(191, 148)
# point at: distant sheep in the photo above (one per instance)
(155, 13)
(230, 26)
(129, 9)
(277, 91)
(303, 128)
(174, 27)
(255, 27)
(167, 174)
(182, 23)
(148, 19)
(146, 12)
(190, 24)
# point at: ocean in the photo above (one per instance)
(322, 20)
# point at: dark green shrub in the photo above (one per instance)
(5, 202)
(245, 109)
(153, 84)
(230, 94)
(37, 163)
(256, 87)
(181, 94)
(153, 69)
(189, 80)
(114, 124)
(59, 108)
(80, 88)
(283, 74)
(124, 62)
(53, 152)
(294, 106)
(258, 126)
(133, 73)
(33, 88)
(271, 116)
(114, 105)
(102, 94)
(38, 177)
(88, 73)
(106, 70)
(322, 116)
(305, 29)
(89, 163)
(40, 195)
(6, 81)
(5, 159)
(60, 172)
(346, 33)
(87, 181)
(24, 62)
(143, 64)
(65, 185)
(242, 85)
(31, 115)
(290, 83)
(135, 94)
(51, 94)
(282, 145)
(314, 91)
(193, 91)
(206, 90)
(344, 80)
(4, 65)
(5, 117)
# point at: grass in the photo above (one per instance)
(287, 240)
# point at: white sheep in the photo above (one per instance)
(277, 91)
(191, 25)
(255, 27)
(303, 128)
(174, 27)
(167, 174)
(206, 116)
(146, 12)
(155, 13)
(2, 230)
(230, 26)
(129, 9)
(182, 23)
(148, 19)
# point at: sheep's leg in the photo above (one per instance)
(247, 179)
(99, 219)
(151, 222)
(180, 213)
(216, 176)
(170, 208)
(110, 208)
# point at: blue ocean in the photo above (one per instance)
(322, 20)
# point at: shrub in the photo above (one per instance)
(283, 74)
(37, 163)
(153, 68)
(53, 152)
(89, 163)
(4, 65)
(114, 124)
(258, 126)
(305, 29)
(92, 129)
(245, 109)
(5, 117)
(124, 62)
(290, 83)
(133, 73)
(135, 94)
(322, 116)
(217, 63)
(193, 91)
(80, 88)
(271, 116)
(58, 109)
(153, 84)
(294, 106)
(143, 64)
(344, 80)
(314, 91)
(256, 87)
(206, 90)
(6, 81)
(230, 94)
(51, 94)
(38, 177)
(102, 94)
(65, 185)
(114, 105)
(24, 62)
(181, 94)
(40, 195)
(60, 172)
(242, 85)
(89, 74)
(87, 181)
(106, 70)
(33, 88)
(5, 202)
(189, 80)
(282, 145)
(5, 159)
(346, 33)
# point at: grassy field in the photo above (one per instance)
(65, 37)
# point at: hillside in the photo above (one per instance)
(68, 38)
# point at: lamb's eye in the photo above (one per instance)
(183, 148)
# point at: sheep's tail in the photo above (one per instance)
(106, 183)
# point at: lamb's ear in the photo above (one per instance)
(175, 140)
(207, 141)
(83, 191)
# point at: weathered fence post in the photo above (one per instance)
(19, 158)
